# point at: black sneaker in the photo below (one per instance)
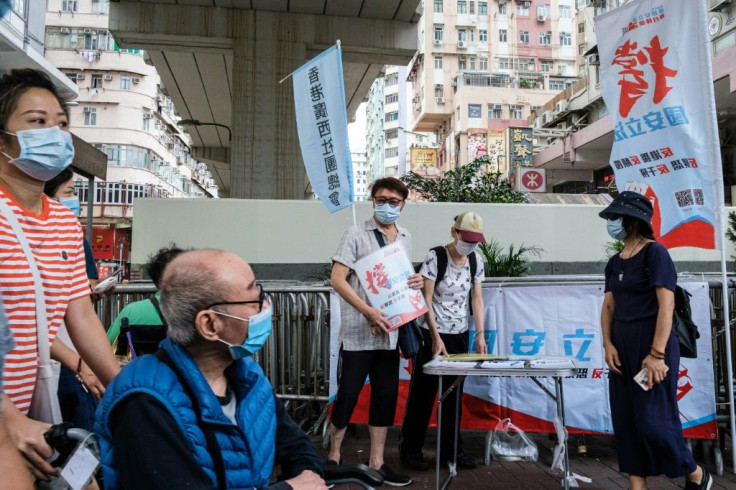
(705, 482)
(464, 461)
(391, 477)
(415, 461)
(331, 462)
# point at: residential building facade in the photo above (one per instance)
(361, 176)
(485, 66)
(124, 111)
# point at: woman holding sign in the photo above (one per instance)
(452, 286)
(368, 343)
(636, 322)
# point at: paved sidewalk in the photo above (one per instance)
(599, 463)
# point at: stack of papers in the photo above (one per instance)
(551, 363)
(504, 364)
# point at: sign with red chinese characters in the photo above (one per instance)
(384, 274)
(656, 82)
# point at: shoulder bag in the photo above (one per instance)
(45, 402)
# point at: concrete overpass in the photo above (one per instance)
(221, 62)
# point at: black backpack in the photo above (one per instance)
(685, 328)
(682, 320)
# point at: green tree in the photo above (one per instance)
(731, 229)
(469, 183)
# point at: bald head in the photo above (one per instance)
(196, 279)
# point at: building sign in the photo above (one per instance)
(108, 243)
(655, 79)
(529, 179)
(497, 150)
(477, 144)
(322, 124)
(520, 147)
(424, 161)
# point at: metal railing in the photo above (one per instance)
(296, 358)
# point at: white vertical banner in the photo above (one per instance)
(657, 82)
(322, 124)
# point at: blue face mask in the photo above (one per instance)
(259, 328)
(386, 213)
(44, 153)
(72, 203)
(616, 228)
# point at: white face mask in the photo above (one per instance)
(465, 248)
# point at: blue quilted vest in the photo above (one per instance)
(247, 450)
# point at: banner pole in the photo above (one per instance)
(727, 333)
(352, 206)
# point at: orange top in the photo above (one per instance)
(55, 237)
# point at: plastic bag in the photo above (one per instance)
(512, 446)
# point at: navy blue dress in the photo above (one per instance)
(646, 424)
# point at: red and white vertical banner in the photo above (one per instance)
(656, 81)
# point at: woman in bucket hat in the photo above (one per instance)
(636, 321)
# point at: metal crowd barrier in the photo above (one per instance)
(297, 355)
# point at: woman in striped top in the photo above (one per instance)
(35, 145)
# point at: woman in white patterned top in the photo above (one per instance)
(452, 283)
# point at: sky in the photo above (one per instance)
(356, 131)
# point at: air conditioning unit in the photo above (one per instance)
(438, 42)
(108, 78)
(80, 76)
(541, 17)
(439, 100)
(462, 44)
(594, 59)
(147, 116)
(547, 117)
(439, 85)
(526, 3)
(65, 30)
(87, 30)
(561, 106)
(136, 80)
(537, 122)
(497, 107)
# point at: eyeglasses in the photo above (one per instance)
(259, 301)
(393, 202)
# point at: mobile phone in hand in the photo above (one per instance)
(103, 286)
(641, 379)
(109, 282)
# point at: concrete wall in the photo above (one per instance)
(295, 239)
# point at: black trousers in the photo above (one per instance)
(422, 394)
(383, 368)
